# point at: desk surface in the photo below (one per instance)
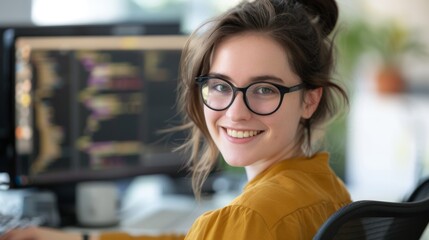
(168, 214)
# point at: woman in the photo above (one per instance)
(256, 87)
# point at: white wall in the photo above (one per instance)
(15, 12)
(388, 135)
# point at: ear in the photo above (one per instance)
(311, 102)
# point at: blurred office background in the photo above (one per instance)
(381, 146)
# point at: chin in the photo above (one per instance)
(237, 162)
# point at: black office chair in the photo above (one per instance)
(370, 220)
(374, 220)
(421, 192)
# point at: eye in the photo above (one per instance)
(265, 89)
(219, 86)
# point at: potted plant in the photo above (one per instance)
(392, 42)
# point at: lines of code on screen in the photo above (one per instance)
(95, 109)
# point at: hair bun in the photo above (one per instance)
(325, 10)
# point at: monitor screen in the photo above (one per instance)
(90, 103)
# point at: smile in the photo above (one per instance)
(242, 134)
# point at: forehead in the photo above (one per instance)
(255, 45)
(249, 55)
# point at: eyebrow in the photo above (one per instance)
(252, 79)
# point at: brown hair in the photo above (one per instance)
(302, 27)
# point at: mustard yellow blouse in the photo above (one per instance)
(290, 200)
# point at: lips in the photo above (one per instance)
(242, 133)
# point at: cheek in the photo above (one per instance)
(210, 117)
(287, 121)
(284, 126)
(207, 115)
(284, 133)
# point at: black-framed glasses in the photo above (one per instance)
(262, 98)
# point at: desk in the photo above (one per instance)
(170, 214)
(146, 210)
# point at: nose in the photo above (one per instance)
(238, 110)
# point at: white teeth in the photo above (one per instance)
(241, 134)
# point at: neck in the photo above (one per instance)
(255, 169)
(250, 173)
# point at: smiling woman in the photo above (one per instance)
(255, 84)
(291, 51)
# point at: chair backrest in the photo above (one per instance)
(369, 220)
(421, 192)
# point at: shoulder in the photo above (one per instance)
(291, 192)
(289, 202)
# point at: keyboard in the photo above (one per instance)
(8, 222)
(25, 208)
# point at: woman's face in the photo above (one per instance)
(245, 138)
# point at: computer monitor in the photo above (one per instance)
(90, 102)
(4, 129)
